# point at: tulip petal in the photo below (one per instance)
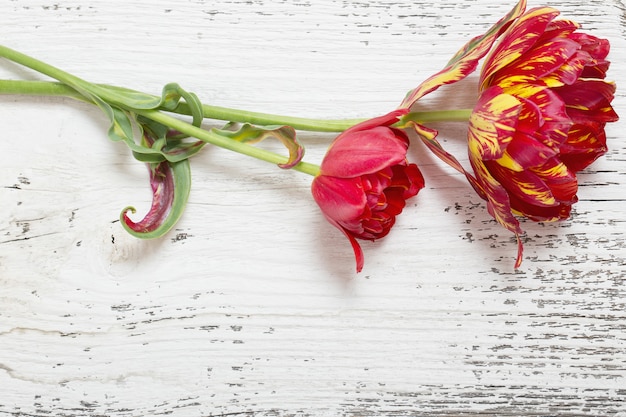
(554, 121)
(493, 123)
(526, 185)
(357, 152)
(384, 120)
(538, 63)
(589, 100)
(598, 48)
(525, 152)
(549, 185)
(519, 38)
(342, 199)
(367, 147)
(492, 127)
(560, 179)
(585, 143)
(498, 202)
(540, 214)
(465, 61)
(429, 138)
(562, 28)
(408, 179)
(358, 252)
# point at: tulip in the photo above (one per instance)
(539, 119)
(365, 180)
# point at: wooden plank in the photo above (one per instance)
(251, 306)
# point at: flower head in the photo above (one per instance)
(365, 180)
(539, 119)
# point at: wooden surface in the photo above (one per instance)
(251, 306)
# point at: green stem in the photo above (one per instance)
(84, 90)
(57, 89)
(79, 85)
(223, 142)
(38, 88)
(267, 119)
(71, 85)
(457, 115)
(46, 88)
(75, 87)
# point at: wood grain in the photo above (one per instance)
(251, 306)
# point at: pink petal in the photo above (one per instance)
(385, 120)
(360, 152)
(358, 252)
(341, 199)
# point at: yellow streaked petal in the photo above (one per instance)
(493, 123)
(508, 162)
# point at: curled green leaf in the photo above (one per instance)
(251, 134)
(170, 144)
(171, 97)
(122, 129)
(121, 106)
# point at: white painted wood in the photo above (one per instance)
(251, 306)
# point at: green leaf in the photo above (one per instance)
(251, 134)
(171, 96)
(124, 97)
(169, 143)
(122, 130)
(120, 104)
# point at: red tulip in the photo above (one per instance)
(365, 180)
(540, 118)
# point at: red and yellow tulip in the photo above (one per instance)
(540, 116)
